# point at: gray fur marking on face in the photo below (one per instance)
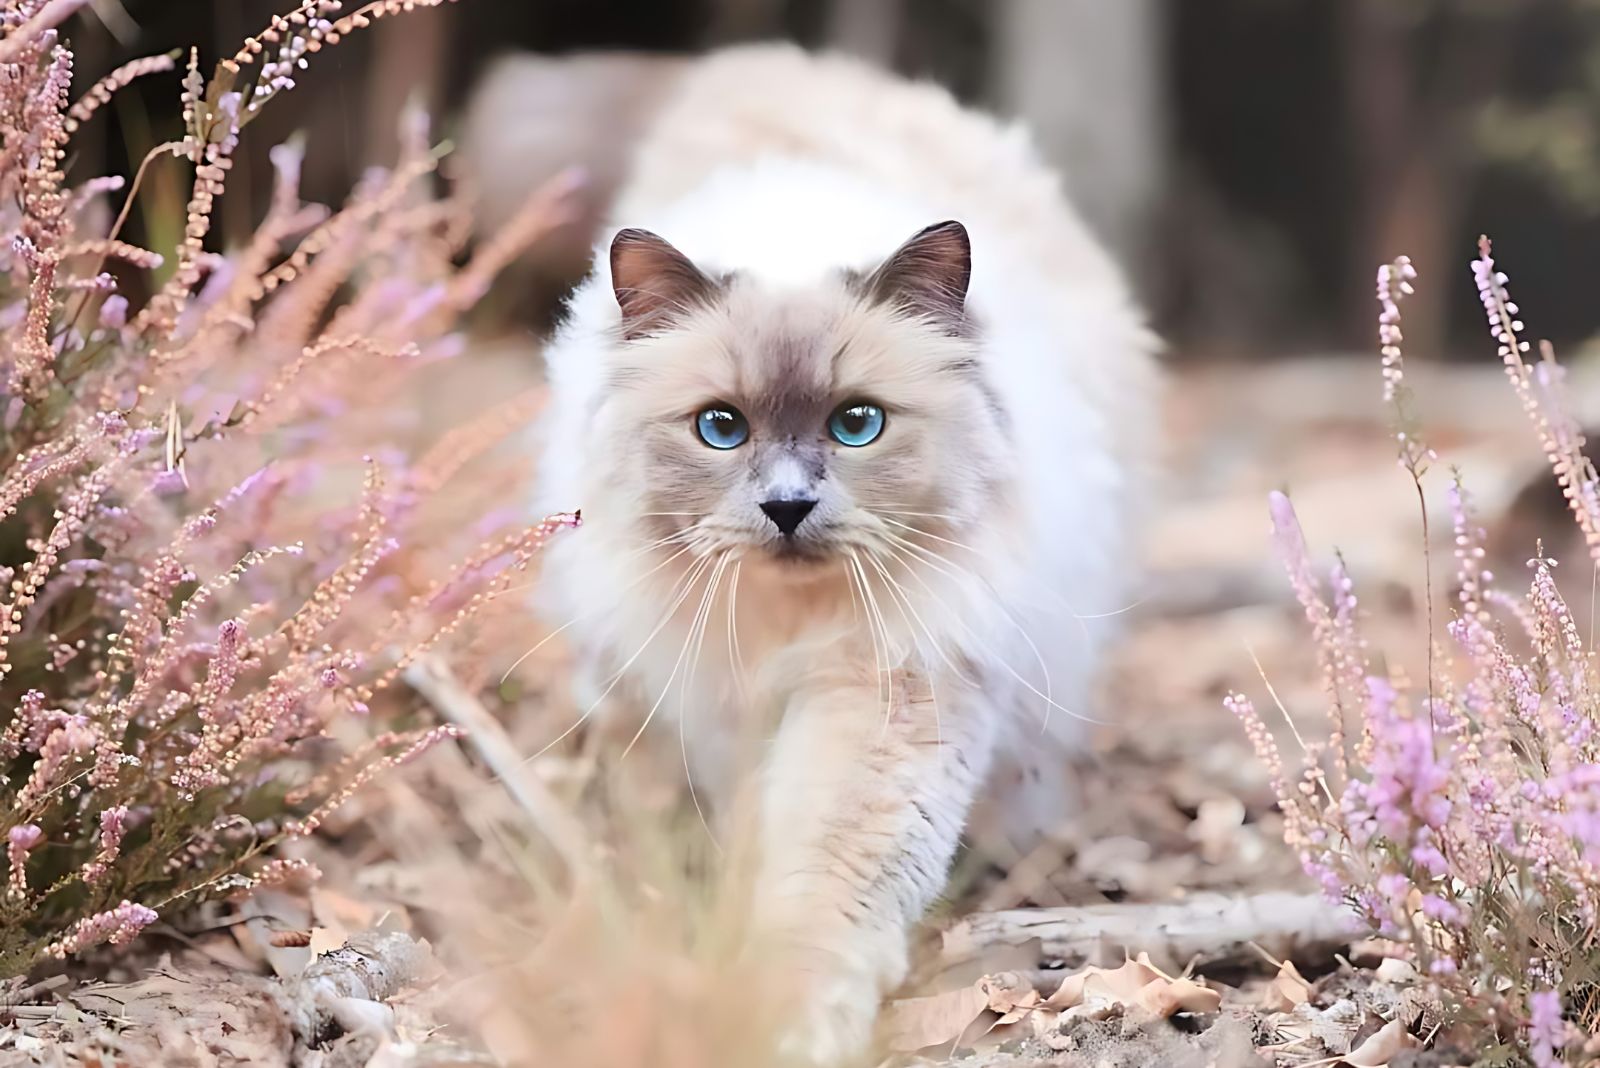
(897, 337)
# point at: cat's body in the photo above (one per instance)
(856, 633)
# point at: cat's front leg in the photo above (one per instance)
(863, 802)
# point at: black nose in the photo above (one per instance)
(787, 515)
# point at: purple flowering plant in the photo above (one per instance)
(203, 576)
(1461, 815)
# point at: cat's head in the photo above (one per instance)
(799, 424)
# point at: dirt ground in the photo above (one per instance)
(1175, 808)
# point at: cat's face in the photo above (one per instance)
(803, 426)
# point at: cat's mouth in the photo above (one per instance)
(800, 552)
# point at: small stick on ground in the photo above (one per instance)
(1208, 930)
(431, 678)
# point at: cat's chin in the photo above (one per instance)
(799, 561)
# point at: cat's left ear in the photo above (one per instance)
(653, 282)
(928, 275)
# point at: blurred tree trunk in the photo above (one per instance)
(867, 28)
(736, 20)
(1086, 76)
(408, 65)
(1413, 145)
(1405, 202)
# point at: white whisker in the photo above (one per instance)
(657, 544)
(928, 534)
(697, 633)
(676, 664)
(1047, 697)
(735, 655)
(876, 626)
(1113, 613)
(540, 644)
(687, 583)
(905, 606)
(1062, 601)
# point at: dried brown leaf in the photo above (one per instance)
(1136, 984)
(1165, 997)
(333, 909)
(326, 939)
(917, 1023)
(1288, 990)
(1010, 995)
(1381, 1047)
(1121, 984)
(1396, 970)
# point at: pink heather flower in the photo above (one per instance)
(72, 737)
(113, 825)
(286, 160)
(118, 926)
(20, 841)
(1292, 551)
(114, 312)
(1408, 781)
(168, 483)
(1394, 285)
(286, 871)
(179, 664)
(30, 725)
(1427, 857)
(1547, 1031)
(1395, 888)
(1467, 809)
(1437, 908)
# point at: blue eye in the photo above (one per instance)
(856, 423)
(722, 427)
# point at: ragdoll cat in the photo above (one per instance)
(858, 416)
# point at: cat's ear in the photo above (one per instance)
(928, 275)
(653, 281)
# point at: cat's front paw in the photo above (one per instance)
(831, 1025)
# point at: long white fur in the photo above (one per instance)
(788, 167)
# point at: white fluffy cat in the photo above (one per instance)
(858, 415)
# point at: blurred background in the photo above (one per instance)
(1250, 161)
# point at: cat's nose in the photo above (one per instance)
(788, 515)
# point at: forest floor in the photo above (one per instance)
(1176, 853)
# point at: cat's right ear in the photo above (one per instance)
(653, 281)
(929, 275)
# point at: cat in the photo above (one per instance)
(860, 419)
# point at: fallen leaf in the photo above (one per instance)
(1120, 984)
(1168, 996)
(1395, 970)
(1336, 1026)
(362, 1016)
(1012, 996)
(1095, 1007)
(1136, 984)
(1375, 949)
(326, 940)
(1382, 1046)
(1288, 990)
(333, 909)
(270, 910)
(1216, 828)
(917, 1023)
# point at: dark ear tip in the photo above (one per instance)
(632, 235)
(950, 228)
